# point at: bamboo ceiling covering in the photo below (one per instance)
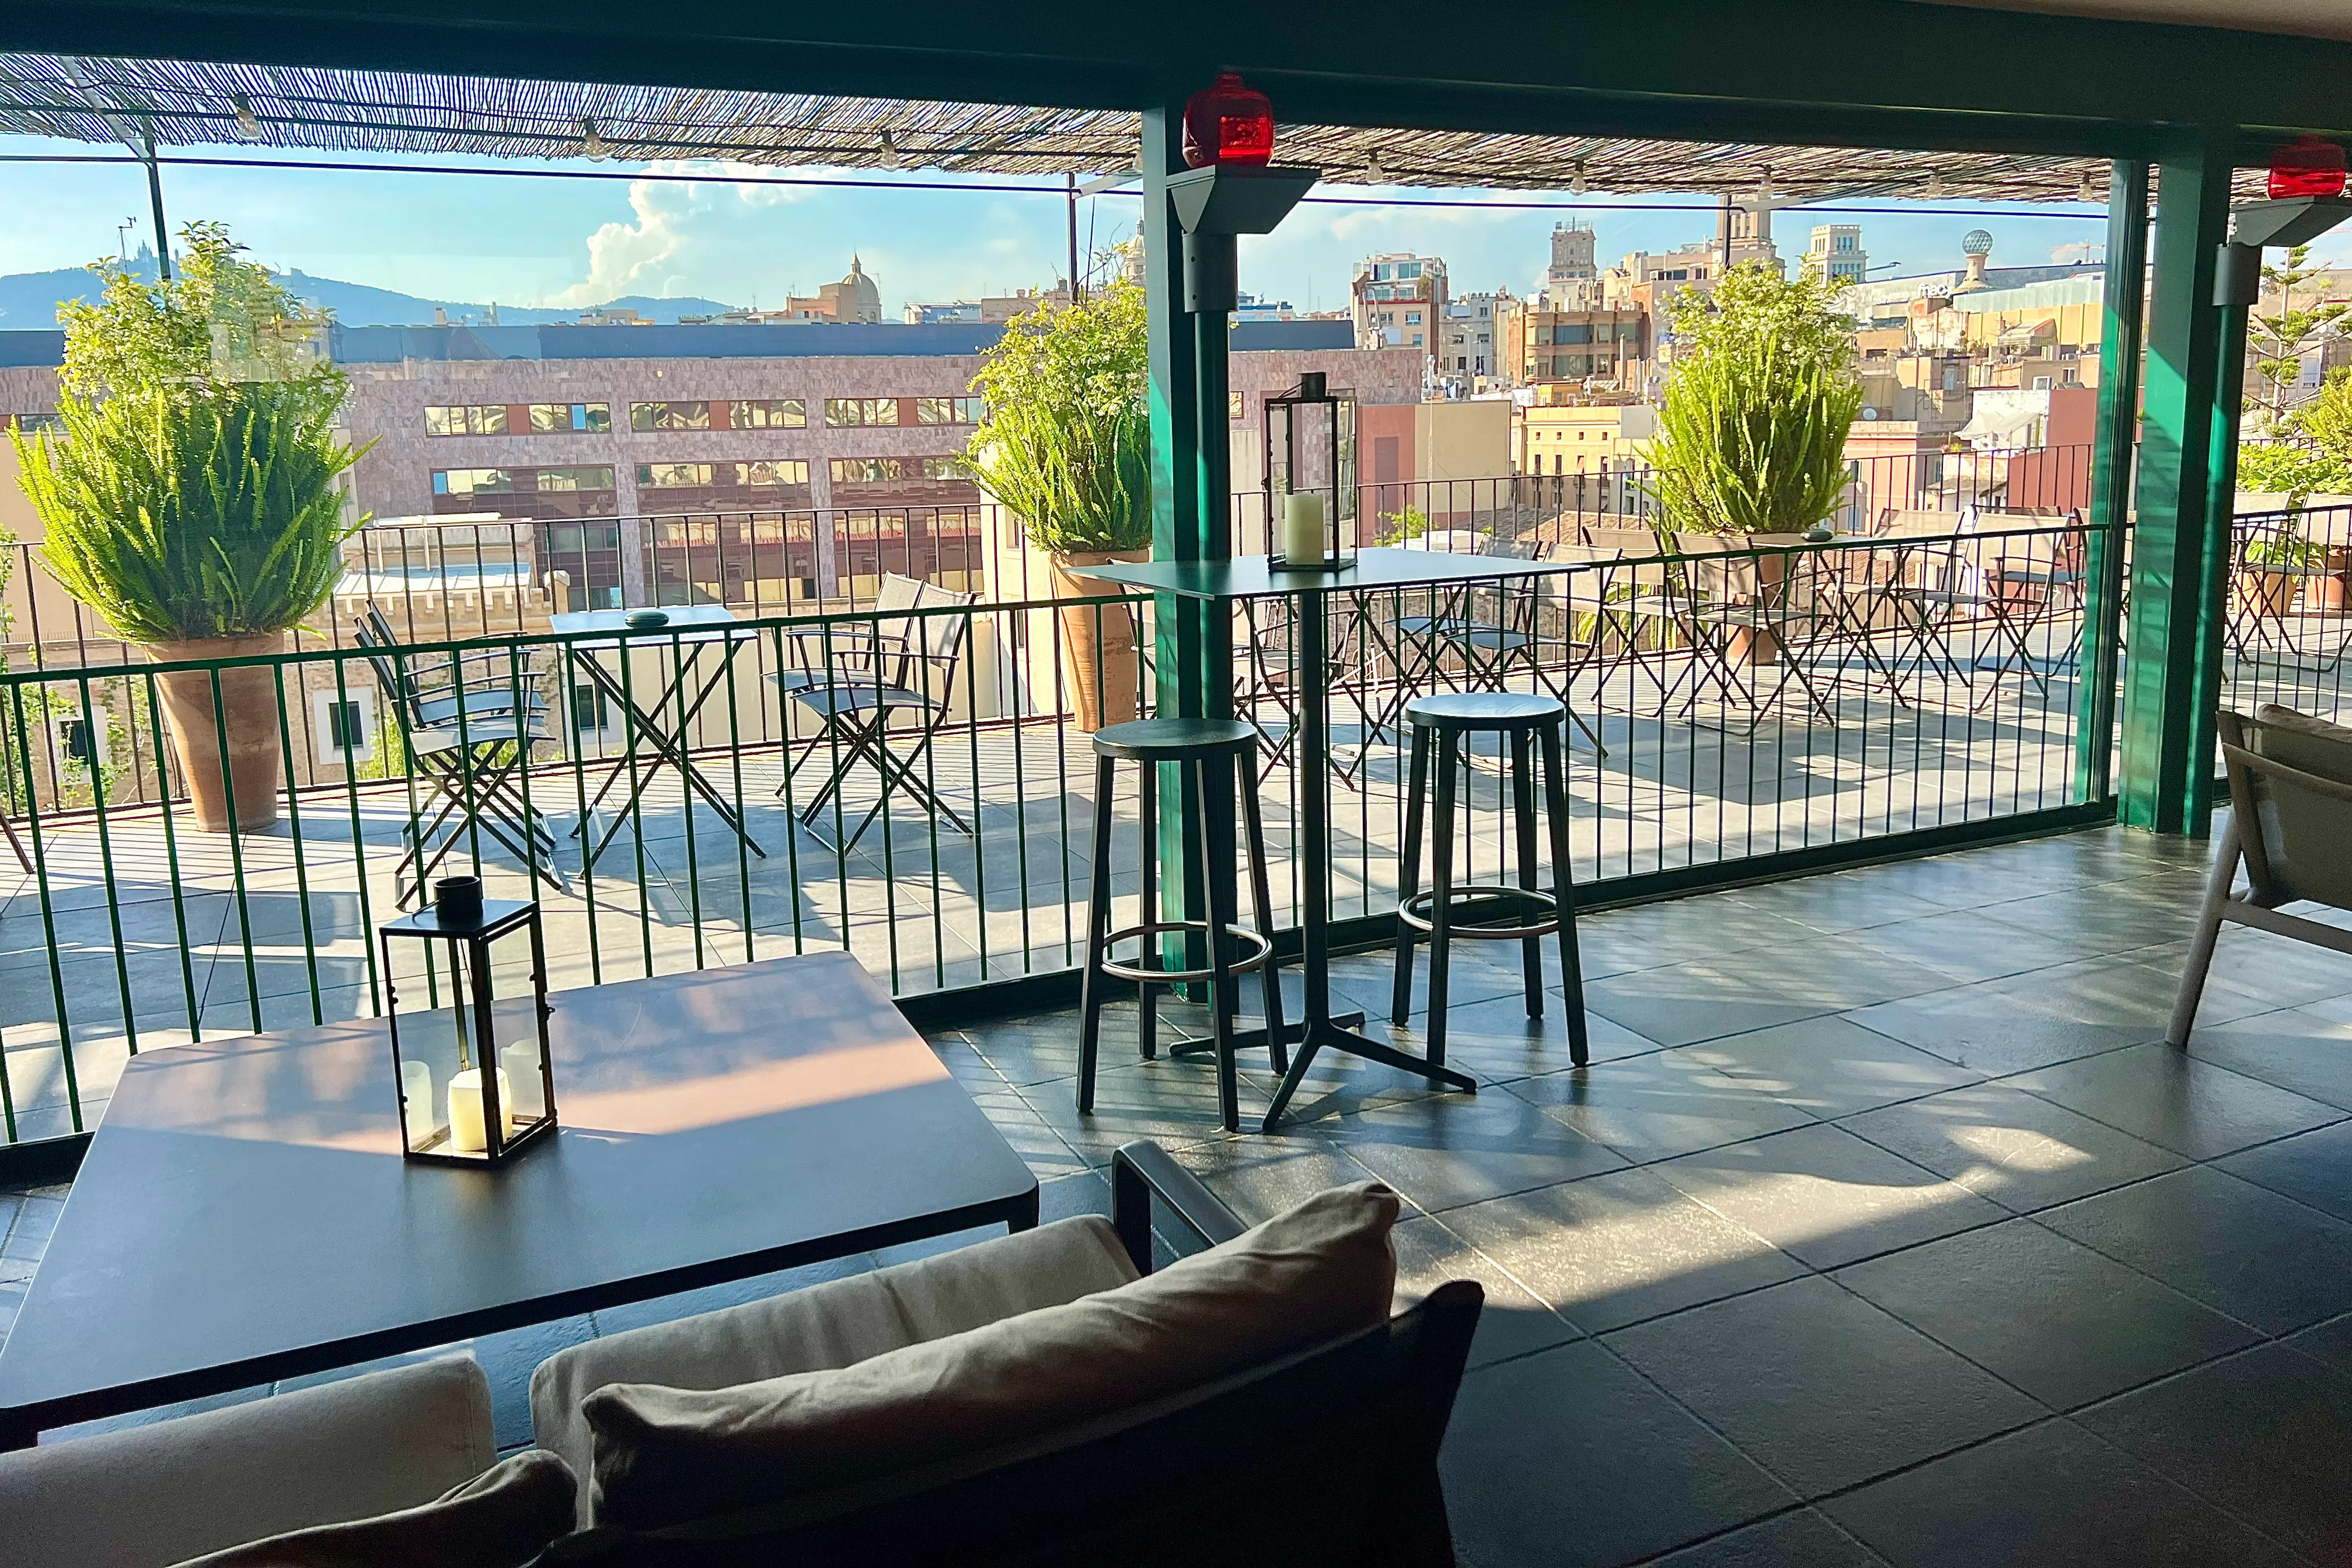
(187, 104)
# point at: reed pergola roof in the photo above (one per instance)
(182, 103)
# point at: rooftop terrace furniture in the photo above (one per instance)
(2290, 829)
(1205, 1428)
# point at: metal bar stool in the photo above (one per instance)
(1215, 750)
(1440, 722)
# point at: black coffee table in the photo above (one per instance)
(243, 1214)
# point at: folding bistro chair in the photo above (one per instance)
(466, 739)
(2289, 826)
(1744, 624)
(869, 676)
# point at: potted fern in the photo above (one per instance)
(189, 497)
(1752, 431)
(1066, 443)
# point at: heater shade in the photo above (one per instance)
(1228, 122)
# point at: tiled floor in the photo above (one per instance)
(1883, 1227)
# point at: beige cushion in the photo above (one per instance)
(2308, 744)
(501, 1519)
(836, 1323)
(1325, 1268)
(156, 1494)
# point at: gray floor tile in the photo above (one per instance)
(2237, 1247)
(2049, 1495)
(1258, 1177)
(2192, 1107)
(1569, 1458)
(1695, 1001)
(1802, 1538)
(1825, 1197)
(2117, 916)
(2306, 1049)
(1819, 1386)
(1836, 901)
(2266, 1435)
(1173, 1102)
(1615, 1249)
(1513, 1321)
(1496, 1039)
(1969, 944)
(2311, 1167)
(1977, 1029)
(1658, 1106)
(1446, 1150)
(2330, 1341)
(1828, 1066)
(2018, 1149)
(2060, 1321)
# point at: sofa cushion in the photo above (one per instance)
(503, 1518)
(836, 1323)
(1323, 1268)
(153, 1495)
(2301, 742)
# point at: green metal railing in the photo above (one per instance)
(1743, 712)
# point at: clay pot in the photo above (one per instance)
(2326, 592)
(1098, 651)
(2267, 593)
(247, 718)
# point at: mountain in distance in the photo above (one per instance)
(29, 301)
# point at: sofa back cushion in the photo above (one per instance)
(148, 1496)
(503, 1518)
(835, 1324)
(665, 1456)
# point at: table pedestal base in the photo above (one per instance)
(1333, 1034)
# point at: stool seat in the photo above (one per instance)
(1485, 710)
(1167, 739)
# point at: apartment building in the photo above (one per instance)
(1592, 348)
(1563, 438)
(1400, 302)
(1835, 252)
(1572, 279)
(1469, 359)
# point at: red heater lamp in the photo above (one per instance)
(1230, 122)
(2307, 166)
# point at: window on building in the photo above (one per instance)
(34, 424)
(1416, 340)
(1234, 408)
(673, 475)
(669, 416)
(586, 418)
(768, 414)
(466, 419)
(774, 471)
(844, 411)
(894, 470)
(473, 482)
(1413, 318)
(948, 409)
(1580, 334)
(595, 479)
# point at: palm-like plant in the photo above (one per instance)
(178, 517)
(1752, 431)
(1066, 439)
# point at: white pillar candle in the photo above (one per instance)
(469, 1134)
(416, 1089)
(1302, 529)
(518, 1063)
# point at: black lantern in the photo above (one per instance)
(474, 1083)
(1310, 478)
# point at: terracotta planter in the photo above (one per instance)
(247, 717)
(1750, 646)
(1099, 652)
(2267, 593)
(2326, 592)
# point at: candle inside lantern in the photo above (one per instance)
(416, 1089)
(468, 1132)
(1302, 529)
(518, 1063)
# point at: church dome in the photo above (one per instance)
(864, 290)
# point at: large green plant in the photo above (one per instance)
(1752, 431)
(189, 490)
(1066, 439)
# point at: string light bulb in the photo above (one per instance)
(890, 149)
(1373, 174)
(591, 140)
(248, 125)
(1576, 180)
(2085, 188)
(1935, 184)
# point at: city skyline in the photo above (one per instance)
(712, 231)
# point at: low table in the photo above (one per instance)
(243, 1214)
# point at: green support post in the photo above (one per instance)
(2172, 654)
(2117, 437)
(2213, 619)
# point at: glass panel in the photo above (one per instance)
(771, 413)
(669, 416)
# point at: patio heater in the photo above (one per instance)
(474, 1083)
(1231, 189)
(1309, 467)
(2307, 200)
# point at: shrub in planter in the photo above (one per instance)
(189, 497)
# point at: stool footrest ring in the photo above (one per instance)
(1414, 911)
(1260, 945)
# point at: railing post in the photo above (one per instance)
(1190, 477)
(2114, 441)
(2172, 663)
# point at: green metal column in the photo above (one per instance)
(2111, 478)
(2172, 657)
(2214, 595)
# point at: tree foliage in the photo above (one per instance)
(1752, 431)
(190, 490)
(1066, 440)
(2281, 338)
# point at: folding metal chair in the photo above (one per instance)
(870, 675)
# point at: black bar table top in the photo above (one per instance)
(1254, 577)
(243, 1214)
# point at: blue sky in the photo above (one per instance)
(554, 241)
